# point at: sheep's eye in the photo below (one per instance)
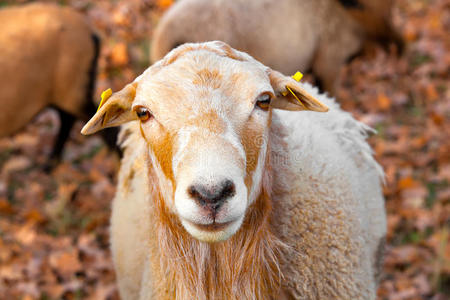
(143, 114)
(263, 101)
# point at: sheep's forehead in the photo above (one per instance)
(202, 81)
(205, 102)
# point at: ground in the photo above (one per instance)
(54, 226)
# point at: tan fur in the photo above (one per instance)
(162, 147)
(252, 142)
(46, 52)
(208, 78)
(314, 227)
(209, 120)
(286, 35)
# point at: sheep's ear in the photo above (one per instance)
(113, 111)
(290, 95)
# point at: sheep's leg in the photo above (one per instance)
(66, 120)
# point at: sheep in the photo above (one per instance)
(226, 191)
(48, 56)
(286, 35)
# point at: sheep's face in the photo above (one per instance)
(207, 137)
(205, 118)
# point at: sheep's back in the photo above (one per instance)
(46, 52)
(282, 34)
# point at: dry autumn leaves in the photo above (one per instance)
(54, 227)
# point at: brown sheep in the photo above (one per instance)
(49, 56)
(286, 35)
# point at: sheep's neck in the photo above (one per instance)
(244, 267)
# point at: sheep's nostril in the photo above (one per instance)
(212, 196)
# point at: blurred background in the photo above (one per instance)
(54, 221)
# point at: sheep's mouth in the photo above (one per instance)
(212, 232)
(213, 226)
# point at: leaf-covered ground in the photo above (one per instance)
(54, 227)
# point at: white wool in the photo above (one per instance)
(344, 140)
(350, 134)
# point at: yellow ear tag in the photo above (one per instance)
(105, 95)
(297, 77)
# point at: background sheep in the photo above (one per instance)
(295, 196)
(286, 35)
(48, 56)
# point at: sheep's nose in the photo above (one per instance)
(212, 196)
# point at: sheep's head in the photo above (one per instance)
(375, 18)
(204, 112)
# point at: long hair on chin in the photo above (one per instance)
(246, 266)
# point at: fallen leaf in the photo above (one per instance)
(119, 55)
(384, 103)
(66, 263)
